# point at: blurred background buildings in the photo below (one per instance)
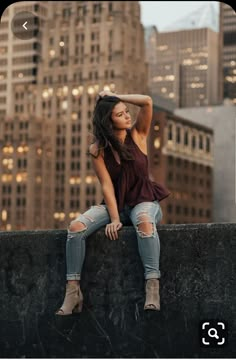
(48, 87)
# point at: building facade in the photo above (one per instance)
(222, 120)
(182, 160)
(228, 51)
(82, 48)
(186, 66)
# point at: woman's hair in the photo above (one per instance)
(103, 129)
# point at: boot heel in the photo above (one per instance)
(78, 308)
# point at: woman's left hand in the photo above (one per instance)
(111, 230)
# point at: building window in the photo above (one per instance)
(170, 132)
(170, 160)
(178, 210)
(170, 176)
(200, 142)
(186, 138)
(186, 211)
(208, 145)
(110, 7)
(157, 143)
(178, 135)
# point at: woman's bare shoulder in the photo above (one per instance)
(95, 150)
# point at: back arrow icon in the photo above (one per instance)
(25, 26)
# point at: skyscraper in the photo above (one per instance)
(228, 51)
(185, 68)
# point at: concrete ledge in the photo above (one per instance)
(198, 283)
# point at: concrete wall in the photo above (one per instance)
(198, 283)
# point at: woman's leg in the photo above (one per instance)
(80, 228)
(83, 226)
(144, 217)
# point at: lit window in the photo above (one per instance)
(88, 179)
(106, 88)
(65, 90)
(4, 215)
(157, 78)
(74, 116)
(38, 179)
(75, 91)
(91, 90)
(45, 94)
(187, 62)
(157, 143)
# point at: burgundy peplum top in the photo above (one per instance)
(131, 179)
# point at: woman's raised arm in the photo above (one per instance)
(144, 117)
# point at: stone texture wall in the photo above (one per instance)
(198, 283)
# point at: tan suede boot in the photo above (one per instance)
(73, 301)
(152, 295)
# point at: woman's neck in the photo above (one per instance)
(120, 135)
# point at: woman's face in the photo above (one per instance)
(121, 117)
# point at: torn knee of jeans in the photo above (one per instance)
(77, 226)
(145, 229)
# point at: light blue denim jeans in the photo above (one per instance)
(97, 216)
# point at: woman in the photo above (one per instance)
(119, 157)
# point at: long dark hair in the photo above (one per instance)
(102, 126)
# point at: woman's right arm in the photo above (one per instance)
(108, 193)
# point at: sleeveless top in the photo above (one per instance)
(130, 178)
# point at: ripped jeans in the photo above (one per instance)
(144, 218)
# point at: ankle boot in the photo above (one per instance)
(152, 295)
(73, 301)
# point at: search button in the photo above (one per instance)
(212, 332)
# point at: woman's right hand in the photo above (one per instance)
(111, 230)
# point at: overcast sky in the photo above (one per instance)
(163, 13)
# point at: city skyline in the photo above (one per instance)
(47, 99)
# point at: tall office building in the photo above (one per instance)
(22, 133)
(85, 47)
(186, 68)
(228, 51)
(18, 58)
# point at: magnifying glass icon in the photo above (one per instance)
(213, 333)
